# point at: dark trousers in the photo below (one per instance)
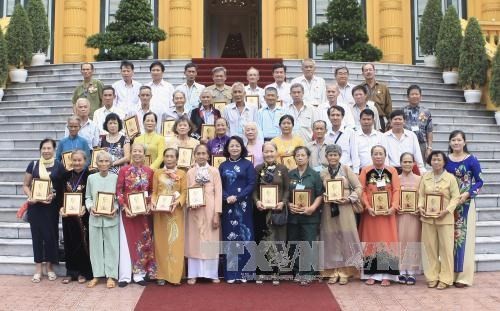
(382, 124)
(298, 233)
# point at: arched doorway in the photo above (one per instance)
(232, 28)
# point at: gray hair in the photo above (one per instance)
(333, 149)
(74, 118)
(295, 85)
(82, 99)
(102, 155)
(217, 69)
(80, 152)
(178, 92)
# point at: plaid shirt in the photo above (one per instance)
(421, 118)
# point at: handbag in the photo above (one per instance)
(280, 218)
(22, 212)
(357, 206)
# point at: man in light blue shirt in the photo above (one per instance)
(73, 141)
(268, 117)
(238, 113)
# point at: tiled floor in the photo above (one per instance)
(18, 293)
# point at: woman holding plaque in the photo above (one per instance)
(438, 197)
(216, 145)
(182, 130)
(378, 228)
(287, 142)
(136, 232)
(254, 144)
(43, 215)
(103, 224)
(304, 219)
(204, 114)
(169, 225)
(76, 227)
(338, 229)
(153, 142)
(409, 225)
(115, 143)
(270, 222)
(467, 170)
(238, 181)
(203, 222)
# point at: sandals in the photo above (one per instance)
(216, 281)
(51, 275)
(92, 283)
(442, 285)
(411, 280)
(370, 282)
(66, 280)
(343, 281)
(432, 284)
(37, 277)
(403, 278)
(110, 283)
(161, 282)
(81, 279)
(333, 280)
(191, 281)
(385, 283)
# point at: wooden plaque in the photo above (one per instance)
(147, 160)
(207, 131)
(408, 201)
(185, 157)
(220, 106)
(279, 103)
(168, 128)
(217, 161)
(40, 189)
(137, 203)
(433, 204)
(380, 202)
(252, 100)
(164, 203)
(334, 189)
(289, 162)
(249, 158)
(93, 163)
(196, 196)
(105, 203)
(132, 128)
(66, 160)
(269, 196)
(72, 203)
(302, 198)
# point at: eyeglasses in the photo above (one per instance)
(73, 126)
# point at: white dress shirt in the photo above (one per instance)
(283, 92)
(237, 120)
(303, 120)
(101, 114)
(162, 96)
(346, 139)
(89, 131)
(314, 90)
(407, 143)
(192, 94)
(347, 121)
(345, 94)
(356, 112)
(127, 96)
(365, 144)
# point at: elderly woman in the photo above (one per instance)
(338, 229)
(182, 129)
(205, 113)
(216, 145)
(153, 143)
(254, 144)
(270, 223)
(378, 230)
(43, 216)
(287, 141)
(438, 234)
(76, 228)
(136, 232)
(103, 228)
(115, 143)
(203, 222)
(169, 226)
(179, 99)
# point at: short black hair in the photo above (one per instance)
(244, 151)
(126, 63)
(157, 63)
(397, 113)
(338, 108)
(47, 140)
(413, 87)
(148, 114)
(278, 66)
(367, 112)
(285, 117)
(359, 87)
(112, 117)
(437, 152)
(109, 87)
(190, 65)
(405, 154)
(87, 63)
(340, 68)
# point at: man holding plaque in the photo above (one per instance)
(145, 95)
(73, 141)
(252, 88)
(239, 112)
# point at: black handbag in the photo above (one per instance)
(280, 218)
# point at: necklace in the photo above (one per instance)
(231, 160)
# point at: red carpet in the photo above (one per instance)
(206, 296)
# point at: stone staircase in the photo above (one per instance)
(37, 109)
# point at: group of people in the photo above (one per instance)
(296, 141)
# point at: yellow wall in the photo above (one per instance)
(487, 10)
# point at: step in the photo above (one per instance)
(18, 230)
(18, 163)
(11, 187)
(16, 247)
(488, 245)
(472, 145)
(18, 265)
(20, 152)
(37, 135)
(487, 228)
(53, 117)
(12, 174)
(491, 187)
(35, 111)
(489, 163)
(11, 200)
(490, 200)
(471, 127)
(488, 213)
(487, 262)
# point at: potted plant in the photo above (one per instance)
(429, 30)
(3, 63)
(473, 65)
(19, 44)
(449, 39)
(495, 83)
(40, 29)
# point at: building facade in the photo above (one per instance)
(245, 28)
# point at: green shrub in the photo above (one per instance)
(429, 27)
(473, 64)
(4, 67)
(495, 78)
(39, 26)
(449, 39)
(19, 38)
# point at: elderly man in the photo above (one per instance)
(108, 97)
(161, 90)
(419, 120)
(73, 141)
(88, 130)
(303, 113)
(220, 91)
(280, 84)
(314, 86)
(268, 116)
(145, 95)
(239, 113)
(252, 88)
(361, 103)
(332, 94)
(191, 88)
(90, 88)
(127, 89)
(345, 88)
(318, 160)
(378, 93)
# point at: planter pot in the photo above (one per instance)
(450, 77)
(38, 59)
(430, 61)
(1, 94)
(497, 117)
(18, 75)
(472, 96)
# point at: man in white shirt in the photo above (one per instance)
(318, 160)
(367, 137)
(332, 94)
(108, 96)
(283, 87)
(345, 88)
(126, 89)
(144, 107)
(361, 103)
(268, 116)
(161, 90)
(88, 129)
(304, 114)
(252, 88)
(178, 109)
(314, 86)
(191, 88)
(344, 137)
(400, 140)
(238, 113)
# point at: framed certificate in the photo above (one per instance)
(289, 162)
(252, 100)
(220, 106)
(302, 198)
(137, 203)
(185, 157)
(433, 204)
(207, 131)
(269, 195)
(380, 202)
(72, 203)
(334, 189)
(196, 196)
(132, 128)
(93, 163)
(408, 201)
(279, 103)
(147, 160)
(164, 202)
(168, 128)
(40, 189)
(66, 160)
(104, 205)
(217, 161)
(249, 158)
